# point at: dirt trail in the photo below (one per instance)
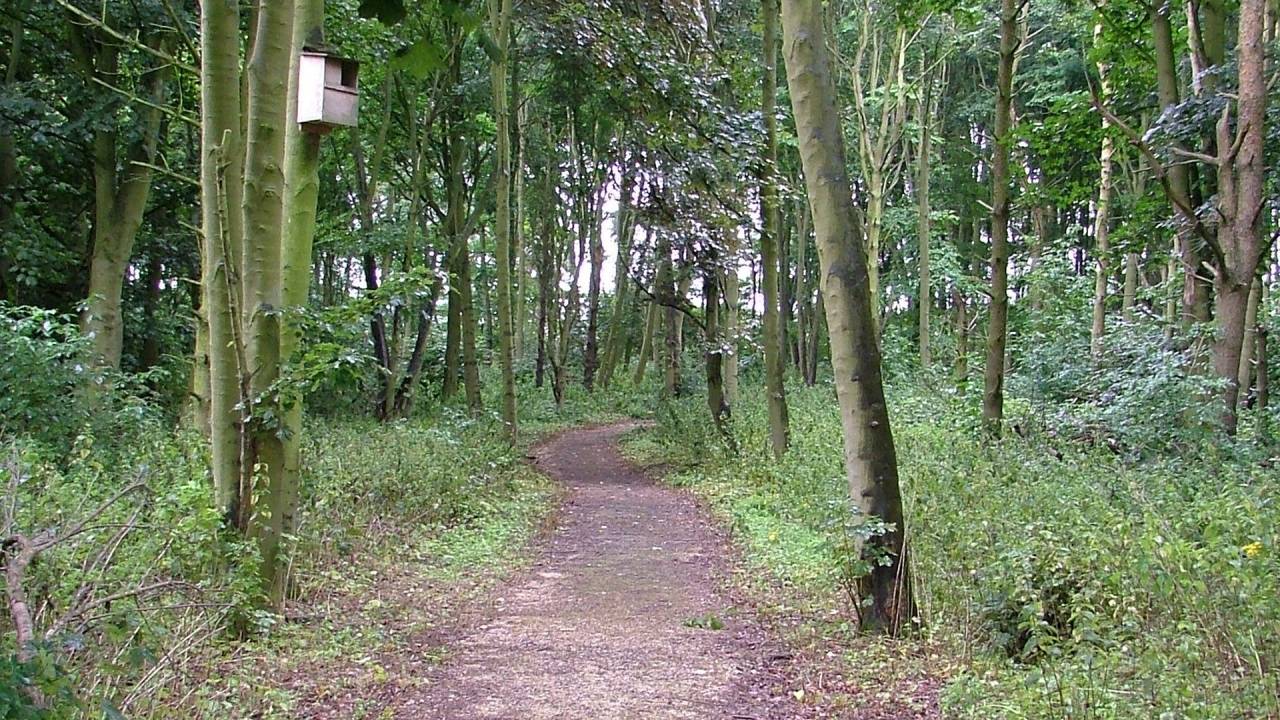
(603, 626)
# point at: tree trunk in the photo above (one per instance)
(1250, 339)
(1195, 294)
(806, 325)
(150, 356)
(1241, 203)
(500, 17)
(870, 459)
(774, 383)
(1102, 214)
(591, 350)
(221, 193)
(671, 328)
(923, 225)
(717, 402)
(1264, 378)
(993, 374)
(470, 358)
(646, 343)
(267, 72)
(301, 167)
(732, 300)
(624, 231)
(1130, 300)
(120, 200)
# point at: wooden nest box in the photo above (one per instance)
(328, 92)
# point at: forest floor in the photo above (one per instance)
(622, 614)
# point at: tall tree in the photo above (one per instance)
(997, 321)
(775, 387)
(1242, 197)
(871, 465)
(122, 174)
(500, 20)
(1102, 212)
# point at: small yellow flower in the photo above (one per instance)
(1252, 550)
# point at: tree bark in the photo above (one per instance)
(500, 18)
(624, 231)
(870, 459)
(1130, 300)
(1195, 292)
(1241, 203)
(666, 292)
(646, 343)
(923, 225)
(267, 72)
(221, 190)
(120, 200)
(993, 374)
(1102, 213)
(1249, 341)
(775, 387)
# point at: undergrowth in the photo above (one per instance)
(1062, 577)
(137, 587)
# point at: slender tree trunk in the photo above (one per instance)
(302, 178)
(775, 387)
(515, 132)
(500, 17)
(1102, 214)
(265, 212)
(591, 350)
(470, 358)
(1250, 339)
(993, 377)
(120, 200)
(923, 225)
(732, 300)
(150, 356)
(458, 258)
(1264, 378)
(815, 340)
(1130, 300)
(624, 232)
(1195, 294)
(221, 192)
(646, 342)
(807, 323)
(717, 402)
(666, 292)
(870, 459)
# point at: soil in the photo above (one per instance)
(624, 614)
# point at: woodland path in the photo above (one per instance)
(599, 627)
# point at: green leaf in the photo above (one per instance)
(110, 712)
(420, 59)
(387, 12)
